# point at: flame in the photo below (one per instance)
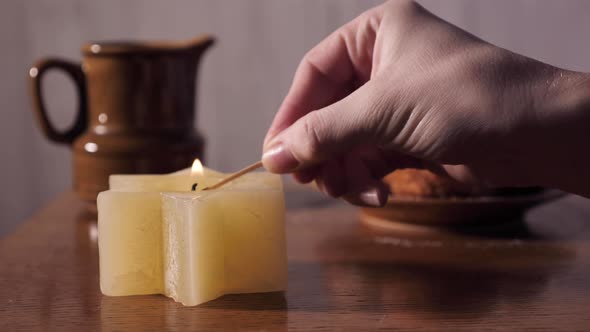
(197, 168)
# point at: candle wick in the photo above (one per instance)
(194, 187)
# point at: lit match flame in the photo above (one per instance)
(197, 168)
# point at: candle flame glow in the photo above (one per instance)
(197, 168)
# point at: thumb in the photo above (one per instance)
(328, 132)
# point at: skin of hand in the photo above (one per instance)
(398, 87)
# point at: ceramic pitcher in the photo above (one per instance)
(136, 109)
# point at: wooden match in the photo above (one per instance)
(235, 175)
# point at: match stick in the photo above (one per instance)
(235, 175)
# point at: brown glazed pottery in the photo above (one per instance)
(136, 109)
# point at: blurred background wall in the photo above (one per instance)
(242, 79)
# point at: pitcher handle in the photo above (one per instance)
(74, 70)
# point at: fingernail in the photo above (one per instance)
(278, 159)
(268, 138)
(373, 197)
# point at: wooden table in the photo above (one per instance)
(342, 276)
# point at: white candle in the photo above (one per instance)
(130, 243)
(192, 246)
(178, 181)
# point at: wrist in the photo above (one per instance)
(563, 133)
(567, 94)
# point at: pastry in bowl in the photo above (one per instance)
(425, 199)
(420, 183)
(412, 182)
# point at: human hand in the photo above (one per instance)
(398, 87)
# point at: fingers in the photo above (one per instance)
(381, 162)
(330, 132)
(357, 177)
(332, 178)
(313, 86)
(363, 189)
(375, 195)
(306, 175)
(330, 71)
(351, 179)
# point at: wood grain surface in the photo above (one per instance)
(533, 274)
